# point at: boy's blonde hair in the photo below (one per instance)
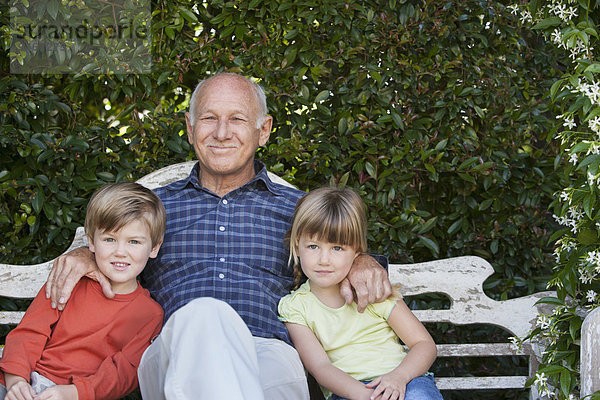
(115, 205)
(335, 215)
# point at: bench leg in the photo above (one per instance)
(590, 353)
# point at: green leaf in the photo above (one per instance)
(289, 56)
(52, 8)
(430, 168)
(574, 327)
(467, 178)
(106, 176)
(170, 32)
(427, 226)
(565, 383)
(587, 236)
(548, 23)
(163, 77)
(484, 205)
(441, 145)
(188, 14)
(467, 163)
(550, 300)
(593, 68)
(291, 34)
(494, 246)
(398, 123)
(342, 126)
(324, 94)
(430, 244)
(370, 169)
(38, 201)
(456, 225)
(555, 87)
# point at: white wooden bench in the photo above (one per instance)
(460, 279)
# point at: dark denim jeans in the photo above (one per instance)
(420, 388)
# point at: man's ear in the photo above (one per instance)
(265, 130)
(189, 128)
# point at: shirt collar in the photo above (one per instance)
(261, 178)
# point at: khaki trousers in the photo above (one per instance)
(205, 351)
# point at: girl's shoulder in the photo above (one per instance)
(384, 308)
(297, 295)
(293, 307)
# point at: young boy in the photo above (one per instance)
(91, 349)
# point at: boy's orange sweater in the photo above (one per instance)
(95, 343)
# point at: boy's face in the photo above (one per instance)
(121, 255)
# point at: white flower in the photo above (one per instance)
(563, 12)
(573, 159)
(594, 92)
(584, 276)
(591, 179)
(594, 149)
(576, 213)
(561, 220)
(594, 125)
(593, 257)
(590, 296)
(540, 379)
(569, 122)
(572, 12)
(543, 321)
(514, 8)
(557, 37)
(526, 17)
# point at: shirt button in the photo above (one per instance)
(221, 228)
(221, 276)
(225, 201)
(222, 259)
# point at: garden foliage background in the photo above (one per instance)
(436, 111)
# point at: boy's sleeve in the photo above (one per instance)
(24, 344)
(117, 375)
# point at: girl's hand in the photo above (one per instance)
(59, 392)
(388, 387)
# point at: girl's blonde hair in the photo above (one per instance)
(335, 215)
(115, 205)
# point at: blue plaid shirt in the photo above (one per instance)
(229, 248)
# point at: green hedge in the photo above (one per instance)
(435, 111)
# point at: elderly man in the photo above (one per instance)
(223, 266)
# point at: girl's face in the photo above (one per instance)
(325, 264)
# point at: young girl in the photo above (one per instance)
(352, 355)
